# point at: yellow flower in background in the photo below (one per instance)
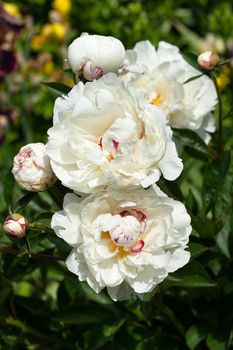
(50, 33)
(223, 79)
(62, 6)
(12, 9)
(38, 41)
(54, 31)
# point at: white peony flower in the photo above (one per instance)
(161, 74)
(127, 241)
(32, 170)
(95, 55)
(103, 134)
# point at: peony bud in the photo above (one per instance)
(15, 225)
(208, 60)
(94, 55)
(32, 169)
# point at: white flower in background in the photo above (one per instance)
(161, 74)
(127, 241)
(32, 170)
(15, 225)
(95, 55)
(208, 60)
(103, 134)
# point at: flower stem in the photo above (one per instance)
(6, 249)
(40, 227)
(220, 116)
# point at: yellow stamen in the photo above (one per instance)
(157, 101)
(110, 157)
(112, 246)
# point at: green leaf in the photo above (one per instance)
(170, 315)
(5, 287)
(192, 275)
(23, 201)
(193, 78)
(224, 200)
(205, 227)
(229, 114)
(196, 249)
(191, 202)
(69, 73)
(81, 315)
(57, 89)
(44, 216)
(223, 237)
(97, 337)
(195, 335)
(217, 341)
(192, 141)
(213, 180)
(10, 188)
(171, 188)
(191, 59)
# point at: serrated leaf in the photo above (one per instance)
(192, 140)
(57, 89)
(195, 335)
(213, 180)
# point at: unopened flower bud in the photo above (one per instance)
(32, 169)
(208, 60)
(91, 72)
(95, 55)
(15, 225)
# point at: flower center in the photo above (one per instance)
(126, 232)
(114, 149)
(157, 101)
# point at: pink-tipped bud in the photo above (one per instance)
(208, 60)
(15, 225)
(32, 170)
(91, 72)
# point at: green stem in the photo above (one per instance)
(43, 228)
(9, 250)
(171, 316)
(220, 116)
(228, 60)
(27, 329)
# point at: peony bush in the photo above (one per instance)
(120, 218)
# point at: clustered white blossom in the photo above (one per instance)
(111, 139)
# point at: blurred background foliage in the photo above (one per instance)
(43, 306)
